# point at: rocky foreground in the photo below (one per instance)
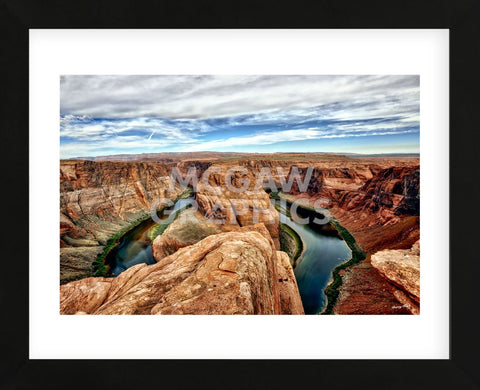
(402, 269)
(238, 272)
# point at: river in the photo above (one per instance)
(321, 254)
(135, 247)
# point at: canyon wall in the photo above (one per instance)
(380, 206)
(99, 199)
(242, 203)
(378, 201)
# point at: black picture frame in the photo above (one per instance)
(461, 17)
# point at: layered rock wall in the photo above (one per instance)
(99, 199)
(242, 203)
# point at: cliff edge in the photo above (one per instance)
(238, 272)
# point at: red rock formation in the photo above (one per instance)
(376, 199)
(243, 207)
(379, 204)
(382, 214)
(402, 269)
(99, 199)
(111, 190)
(289, 296)
(229, 273)
(190, 227)
(365, 291)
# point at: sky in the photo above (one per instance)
(105, 115)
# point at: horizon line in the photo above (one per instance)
(245, 153)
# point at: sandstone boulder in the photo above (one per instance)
(189, 228)
(402, 268)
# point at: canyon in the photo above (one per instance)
(236, 267)
(99, 199)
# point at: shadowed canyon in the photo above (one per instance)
(257, 261)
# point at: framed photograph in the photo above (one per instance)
(280, 186)
(271, 194)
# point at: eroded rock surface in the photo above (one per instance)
(99, 199)
(290, 300)
(379, 204)
(190, 227)
(402, 269)
(242, 204)
(365, 291)
(236, 272)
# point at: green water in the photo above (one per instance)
(321, 254)
(135, 246)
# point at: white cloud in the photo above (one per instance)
(106, 114)
(201, 97)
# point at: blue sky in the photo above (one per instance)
(104, 115)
